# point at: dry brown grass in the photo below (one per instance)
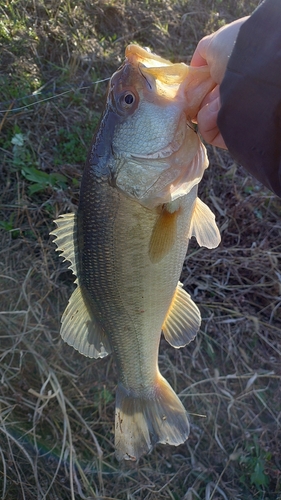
(57, 407)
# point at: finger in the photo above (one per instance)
(211, 96)
(197, 59)
(207, 124)
(199, 56)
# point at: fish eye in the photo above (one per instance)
(127, 99)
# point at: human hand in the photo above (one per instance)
(207, 119)
(214, 51)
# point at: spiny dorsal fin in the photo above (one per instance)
(164, 235)
(203, 226)
(81, 331)
(183, 319)
(66, 238)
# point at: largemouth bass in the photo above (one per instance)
(138, 209)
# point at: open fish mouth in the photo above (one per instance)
(162, 76)
(159, 157)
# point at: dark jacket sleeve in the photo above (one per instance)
(250, 115)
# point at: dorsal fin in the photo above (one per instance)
(66, 239)
(203, 226)
(80, 330)
(183, 319)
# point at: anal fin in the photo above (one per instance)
(183, 319)
(80, 330)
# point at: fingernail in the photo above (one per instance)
(214, 105)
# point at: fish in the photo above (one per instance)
(138, 208)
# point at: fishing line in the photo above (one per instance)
(46, 99)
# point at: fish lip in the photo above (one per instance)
(135, 53)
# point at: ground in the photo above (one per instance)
(57, 407)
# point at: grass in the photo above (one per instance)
(57, 407)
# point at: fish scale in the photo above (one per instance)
(137, 210)
(117, 260)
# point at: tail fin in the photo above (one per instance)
(141, 422)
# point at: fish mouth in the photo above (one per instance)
(161, 75)
(135, 53)
(166, 159)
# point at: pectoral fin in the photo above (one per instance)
(203, 226)
(183, 319)
(66, 237)
(81, 331)
(163, 236)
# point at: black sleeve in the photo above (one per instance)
(250, 115)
